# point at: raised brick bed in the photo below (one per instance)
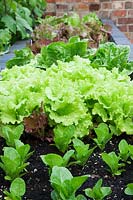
(116, 36)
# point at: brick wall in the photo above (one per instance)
(120, 11)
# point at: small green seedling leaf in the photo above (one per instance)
(52, 159)
(64, 184)
(112, 160)
(103, 135)
(63, 136)
(82, 151)
(23, 150)
(124, 150)
(17, 190)
(98, 192)
(10, 133)
(13, 163)
(129, 189)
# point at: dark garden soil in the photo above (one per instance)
(37, 178)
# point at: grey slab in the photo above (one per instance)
(119, 37)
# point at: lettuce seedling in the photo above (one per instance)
(23, 150)
(112, 160)
(53, 159)
(103, 135)
(98, 192)
(10, 133)
(129, 189)
(124, 150)
(65, 185)
(13, 160)
(17, 190)
(82, 151)
(63, 136)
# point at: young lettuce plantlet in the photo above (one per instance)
(112, 160)
(17, 190)
(129, 189)
(65, 185)
(124, 150)
(82, 151)
(52, 159)
(103, 135)
(10, 133)
(13, 160)
(98, 192)
(63, 136)
(23, 150)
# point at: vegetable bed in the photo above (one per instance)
(66, 123)
(37, 179)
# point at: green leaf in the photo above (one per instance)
(18, 187)
(98, 192)
(52, 160)
(63, 136)
(22, 25)
(103, 135)
(124, 149)
(10, 23)
(129, 189)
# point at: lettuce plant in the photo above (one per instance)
(65, 185)
(10, 133)
(129, 189)
(103, 135)
(63, 136)
(52, 159)
(13, 161)
(124, 150)
(112, 160)
(82, 151)
(16, 191)
(22, 57)
(98, 192)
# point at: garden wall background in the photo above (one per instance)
(120, 11)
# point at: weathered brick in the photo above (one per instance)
(94, 6)
(130, 13)
(119, 13)
(82, 6)
(62, 6)
(118, 5)
(129, 5)
(51, 1)
(130, 27)
(50, 7)
(123, 28)
(106, 6)
(125, 20)
(104, 14)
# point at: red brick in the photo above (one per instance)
(123, 28)
(106, 5)
(119, 13)
(125, 20)
(51, 1)
(130, 27)
(82, 6)
(94, 7)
